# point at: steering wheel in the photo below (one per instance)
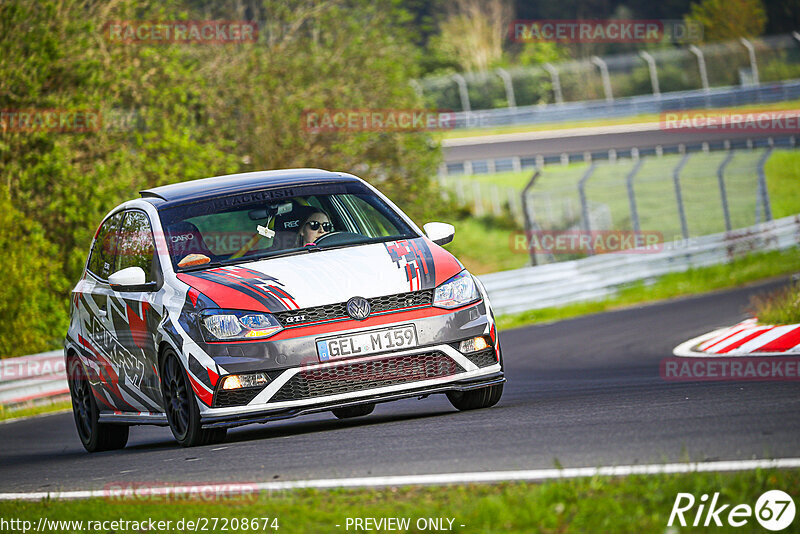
(324, 237)
(338, 237)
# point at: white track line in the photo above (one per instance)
(406, 480)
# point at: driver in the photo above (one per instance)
(315, 225)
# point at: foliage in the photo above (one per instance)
(779, 307)
(197, 111)
(474, 32)
(33, 314)
(729, 19)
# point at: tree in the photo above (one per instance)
(474, 32)
(729, 19)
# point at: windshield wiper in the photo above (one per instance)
(201, 266)
(291, 252)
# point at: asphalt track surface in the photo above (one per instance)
(582, 140)
(581, 393)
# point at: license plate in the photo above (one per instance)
(364, 343)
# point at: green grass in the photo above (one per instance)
(637, 119)
(598, 504)
(779, 307)
(484, 247)
(750, 268)
(28, 411)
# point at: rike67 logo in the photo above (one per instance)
(774, 510)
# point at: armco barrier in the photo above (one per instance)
(598, 276)
(32, 378)
(717, 97)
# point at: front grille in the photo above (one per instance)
(483, 358)
(352, 377)
(235, 397)
(400, 301)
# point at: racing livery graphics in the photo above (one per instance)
(249, 298)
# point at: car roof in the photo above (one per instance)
(239, 183)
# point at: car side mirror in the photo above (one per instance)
(130, 279)
(439, 233)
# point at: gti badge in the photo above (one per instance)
(358, 308)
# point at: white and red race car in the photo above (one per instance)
(253, 297)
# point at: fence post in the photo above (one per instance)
(722, 193)
(701, 64)
(503, 73)
(604, 75)
(632, 196)
(477, 198)
(651, 65)
(556, 82)
(530, 217)
(497, 209)
(587, 227)
(461, 195)
(762, 189)
(751, 51)
(676, 178)
(462, 91)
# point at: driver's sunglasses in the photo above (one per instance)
(314, 225)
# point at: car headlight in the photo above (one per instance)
(232, 325)
(456, 292)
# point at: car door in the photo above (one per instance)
(94, 309)
(126, 378)
(134, 317)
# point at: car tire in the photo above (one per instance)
(95, 436)
(180, 405)
(353, 411)
(477, 398)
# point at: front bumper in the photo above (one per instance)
(335, 384)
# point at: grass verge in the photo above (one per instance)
(28, 411)
(779, 307)
(599, 504)
(694, 281)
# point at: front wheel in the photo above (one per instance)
(183, 413)
(477, 398)
(95, 436)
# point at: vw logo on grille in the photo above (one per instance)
(358, 308)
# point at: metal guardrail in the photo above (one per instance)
(717, 97)
(599, 276)
(33, 378)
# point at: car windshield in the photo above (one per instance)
(261, 224)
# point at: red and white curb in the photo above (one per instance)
(747, 338)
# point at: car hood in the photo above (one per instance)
(327, 276)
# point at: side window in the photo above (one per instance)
(136, 246)
(101, 261)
